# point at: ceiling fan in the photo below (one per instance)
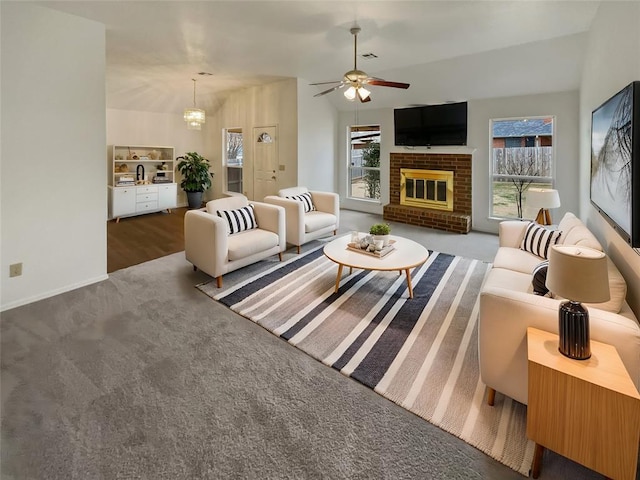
(356, 79)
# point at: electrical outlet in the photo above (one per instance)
(15, 270)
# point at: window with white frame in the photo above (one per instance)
(364, 162)
(233, 157)
(522, 157)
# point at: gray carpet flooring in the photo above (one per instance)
(142, 376)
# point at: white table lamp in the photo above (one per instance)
(544, 199)
(578, 274)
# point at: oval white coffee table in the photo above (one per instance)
(406, 255)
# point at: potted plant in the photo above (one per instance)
(196, 177)
(380, 231)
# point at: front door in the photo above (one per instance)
(265, 162)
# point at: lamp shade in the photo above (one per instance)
(543, 198)
(578, 274)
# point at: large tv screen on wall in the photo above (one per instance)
(431, 125)
(615, 162)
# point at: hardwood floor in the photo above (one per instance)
(139, 239)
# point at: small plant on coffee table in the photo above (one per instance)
(380, 229)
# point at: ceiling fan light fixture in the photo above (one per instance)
(194, 117)
(363, 93)
(350, 93)
(356, 79)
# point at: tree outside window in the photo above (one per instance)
(522, 157)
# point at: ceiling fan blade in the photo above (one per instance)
(326, 83)
(383, 83)
(329, 91)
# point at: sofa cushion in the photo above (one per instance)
(516, 259)
(250, 242)
(508, 279)
(538, 239)
(315, 221)
(239, 220)
(306, 200)
(574, 232)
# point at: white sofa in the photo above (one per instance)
(210, 247)
(508, 306)
(302, 227)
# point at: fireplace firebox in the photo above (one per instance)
(426, 188)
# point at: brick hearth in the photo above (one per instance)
(459, 220)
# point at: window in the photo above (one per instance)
(364, 162)
(521, 158)
(233, 159)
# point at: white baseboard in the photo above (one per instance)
(52, 293)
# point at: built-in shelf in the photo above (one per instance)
(136, 184)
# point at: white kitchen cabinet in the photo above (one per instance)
(122, 201)
(167, 196)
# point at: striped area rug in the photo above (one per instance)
(421, 353)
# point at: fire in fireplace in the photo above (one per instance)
(426, 188)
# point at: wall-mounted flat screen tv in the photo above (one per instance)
(431, 125)
(615, 162)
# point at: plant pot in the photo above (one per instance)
(384, 238)
(194, 199)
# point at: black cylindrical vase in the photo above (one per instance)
(573, 325)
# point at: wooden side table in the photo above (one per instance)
(585, 410)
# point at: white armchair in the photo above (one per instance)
(210, 246)
(304, 226)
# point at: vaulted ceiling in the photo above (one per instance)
(446, 50)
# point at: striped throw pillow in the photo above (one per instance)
(538, 240)
(240, 219)
(539, 278)
(305, 198)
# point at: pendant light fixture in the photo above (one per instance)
(194, 117)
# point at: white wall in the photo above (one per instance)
(53, 180)
(564, 106)
(612, 63)
(128, 127)
(317, 140)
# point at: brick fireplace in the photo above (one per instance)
(458, 220)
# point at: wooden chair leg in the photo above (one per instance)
(219, 281)
(491, 396)
(298, 249)
(280, 255)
